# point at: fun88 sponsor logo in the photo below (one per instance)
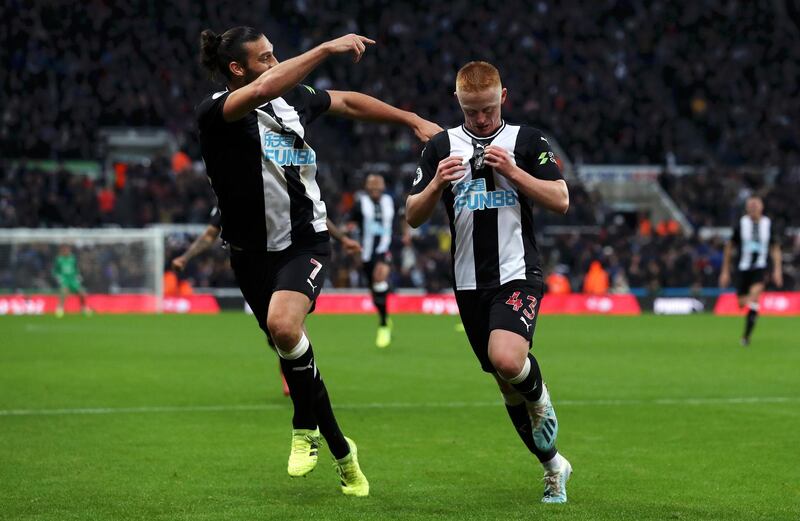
(279, 148)
(377, 228)
(472, 196)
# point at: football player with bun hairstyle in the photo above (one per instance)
(256, 143)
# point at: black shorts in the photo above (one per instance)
(369, 266)
(261, 273)
(514, 307)
(746, 279)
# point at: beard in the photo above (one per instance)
(250, 75)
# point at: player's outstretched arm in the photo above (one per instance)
(198, 246)
(777, 264)
(356, 105)
(282, 77)
(420, 206)
(350, 246)
(725, 270)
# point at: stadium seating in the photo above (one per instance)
(565, 73)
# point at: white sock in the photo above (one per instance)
(526, 370)
(544, 397)
(554, 464)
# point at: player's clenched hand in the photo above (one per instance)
(450, 169)
(179, 263)
(498, 158)
(350, 246)
(424, 129)
(354, 43)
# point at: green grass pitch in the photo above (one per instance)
(181, 417)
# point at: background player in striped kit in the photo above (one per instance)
(754, 239)
(373, 214)
(254, 141)
(211, 234)
(488, 174)
(203, 242)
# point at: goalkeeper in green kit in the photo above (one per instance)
(65, 271)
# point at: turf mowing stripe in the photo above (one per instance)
(392, 405)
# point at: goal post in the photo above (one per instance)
(112, 262)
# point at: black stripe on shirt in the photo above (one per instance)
(485, 244)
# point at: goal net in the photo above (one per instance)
(120, 269)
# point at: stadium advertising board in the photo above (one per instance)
(445, 304)
(354, 303)
(678, 305)
(577, 304)
(771, 303)
(46, 304)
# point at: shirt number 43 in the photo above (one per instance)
(515, 302)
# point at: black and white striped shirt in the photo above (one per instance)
(263, 170)
(215, 218)
(753, 240)
(375, 220)
(490, 221)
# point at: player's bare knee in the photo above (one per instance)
(285, 332)
(380, 273)
(507, 362)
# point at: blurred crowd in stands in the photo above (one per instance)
(701, 83)
(131, 196)
(616, 81)
(715, 197)
(631, 251)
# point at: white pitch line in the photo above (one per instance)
(391, 405)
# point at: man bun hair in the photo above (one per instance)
(217, 51)
(209, 46)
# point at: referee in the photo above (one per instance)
(255, 144)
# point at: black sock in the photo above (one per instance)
(750, 322)
(529, 385)
(379, 299)
(522, 423)
(328, 426)
(299, 374)
(312, 405)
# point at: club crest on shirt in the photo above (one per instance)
(417, 177)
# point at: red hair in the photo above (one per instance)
(477, 76)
